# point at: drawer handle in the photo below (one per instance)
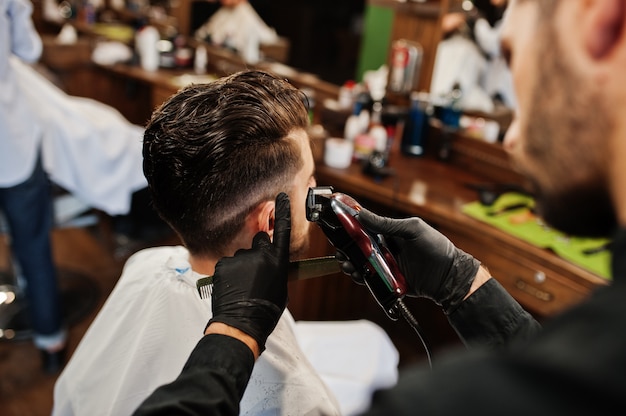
(533, 291)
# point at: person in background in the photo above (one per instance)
(215, 157)
(471, 56)
(237, 25)
(25, 191)
(569, 139)
(486, 28)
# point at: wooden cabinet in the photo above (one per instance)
(543, 283)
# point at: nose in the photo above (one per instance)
(512, 136)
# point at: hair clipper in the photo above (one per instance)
(337, 216)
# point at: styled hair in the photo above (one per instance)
(212, 152)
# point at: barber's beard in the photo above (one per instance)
(585, 210)
(566, 143)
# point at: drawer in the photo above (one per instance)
(540, 290)
(543, 290)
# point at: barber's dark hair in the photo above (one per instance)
(213, 151)
(490, 12)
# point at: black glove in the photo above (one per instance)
(433, 267)
(250, 289)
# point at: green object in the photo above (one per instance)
(588, 253)
(114, 31)
(376, 39)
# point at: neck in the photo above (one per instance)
(203, 265)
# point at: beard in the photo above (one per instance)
(299, 247)
(566, 144)
(584, 211)
(297, 252)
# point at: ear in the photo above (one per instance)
(263, 216)
(604, 27)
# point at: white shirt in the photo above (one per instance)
(145, 332)
(498, 78)
(19, 130)
(463, 61)
(236, 26)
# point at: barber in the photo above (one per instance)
(250, 293)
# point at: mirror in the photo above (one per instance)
(468, 57)
(338, 40)
(323, 35)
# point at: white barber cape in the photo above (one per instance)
(153, 319)
(88, 148)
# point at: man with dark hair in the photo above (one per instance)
(569, 139)
(215, 157)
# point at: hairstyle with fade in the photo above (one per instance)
(212, 152)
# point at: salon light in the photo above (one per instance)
(6, 297)
(467, 5)
(7, 334)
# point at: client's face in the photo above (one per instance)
(301, 183)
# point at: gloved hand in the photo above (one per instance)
(250, 289)
(433, 267)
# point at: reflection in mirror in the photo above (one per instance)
(469, 59)
(335, 41)
(323, 35)
(237, 26)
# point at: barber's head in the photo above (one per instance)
(568, 60)
(217, 154)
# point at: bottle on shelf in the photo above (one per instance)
(200, 60)
(376, 128)
(357, 122)
(346, 95)
(452, 109)
(416, 125)
(146, 40)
